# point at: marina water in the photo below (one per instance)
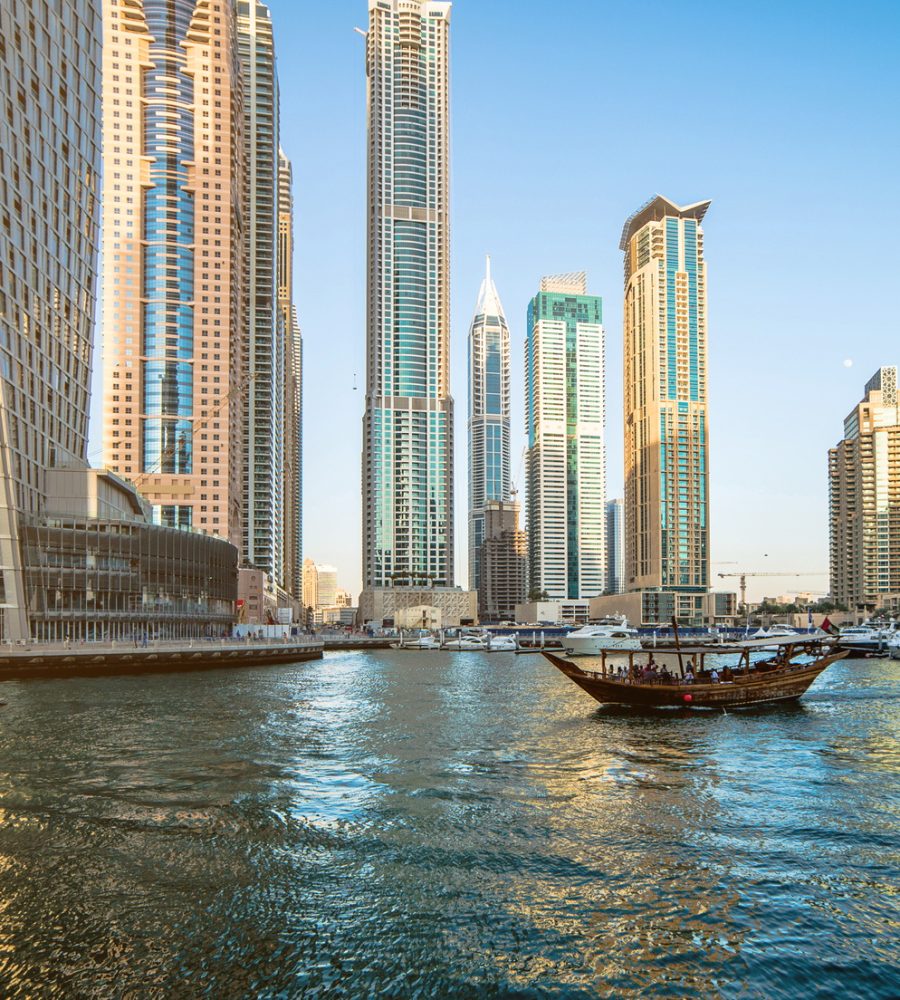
(451, 825)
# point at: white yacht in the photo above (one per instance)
(418, 643)
(894, 646)
(471, 642)
(870, 637)
(500, 643)
(610, 635)
(775, 632)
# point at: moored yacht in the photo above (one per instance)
(610, 635)
(868, 638)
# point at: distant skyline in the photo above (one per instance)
(783, 116)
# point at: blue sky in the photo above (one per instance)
(566, 118)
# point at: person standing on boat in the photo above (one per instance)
(689, 674)
(714, 676)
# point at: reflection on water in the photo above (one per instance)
(444, 825)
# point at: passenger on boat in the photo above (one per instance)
(714, 676)
(689, 675)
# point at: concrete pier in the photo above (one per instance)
(96, 660)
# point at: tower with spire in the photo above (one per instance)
(489, 437)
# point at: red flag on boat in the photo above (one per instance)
(828, 627)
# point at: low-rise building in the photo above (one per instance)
(382, 605)
(97, 568)
(503, 562)
(575, 612)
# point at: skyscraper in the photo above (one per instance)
(615, 547)
(264, 352)
(864, 481)
(489, 447)
(49, 187)
(408, 424)
(173, 295)
(293, 396)
(565, 411)
(666, 424)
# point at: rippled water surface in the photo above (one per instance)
(444, 825)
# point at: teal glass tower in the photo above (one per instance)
(489, 438)
(408, 424)
(565, 413)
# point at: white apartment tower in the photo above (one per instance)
(408, 426)
(264, 358)
(565, 412)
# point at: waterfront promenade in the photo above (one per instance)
(34, 660)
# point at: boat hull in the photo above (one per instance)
(754, 688)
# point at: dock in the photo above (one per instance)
(110, 659)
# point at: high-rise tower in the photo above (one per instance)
(408, 426)
(489, 447)
(293, 371)
(615, 547)
(666, 423)
(864, 481)
(49, 188)
(565, 412)
(173, 295)
(264, 353)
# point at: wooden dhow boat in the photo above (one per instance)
(722, 676)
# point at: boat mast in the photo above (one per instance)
(678, 646)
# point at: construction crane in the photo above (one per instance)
(238, 390)
(743, 579)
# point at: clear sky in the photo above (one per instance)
(566, 117)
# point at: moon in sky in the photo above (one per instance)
(848, 363)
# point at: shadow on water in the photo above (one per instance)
(783, 709)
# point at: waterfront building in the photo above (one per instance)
(408, 425)
(553, 612)
(264, 371)
(489, 431)
(289, 332)
(49, 189)
(173, 296)
(864, 481)
(81, 556)
(666, 421)
(503, 560)
(451, 606)
(565, 412)
(615, 546)
(97, 568)
(343, 598)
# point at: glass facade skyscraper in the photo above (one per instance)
(49, 189)
(489, 432)
(565, 413)
(173, 302)
(666, 422)
(615, 546)
(408, 424)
